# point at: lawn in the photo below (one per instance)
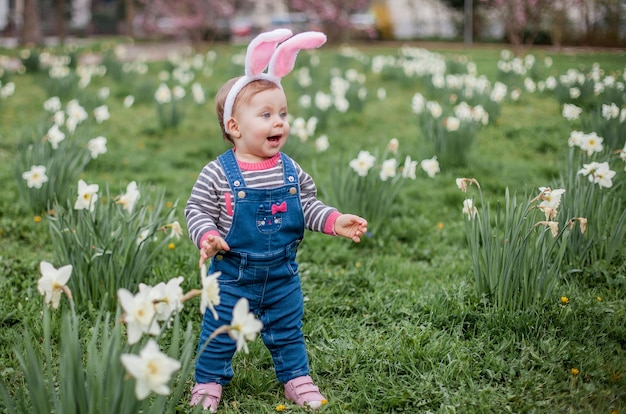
(393, 324)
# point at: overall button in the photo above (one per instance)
(293, 190)
(236, 183)
(219, 257)
(241, 194)
(290, 178)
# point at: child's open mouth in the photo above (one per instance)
(274, 138)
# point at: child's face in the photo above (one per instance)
(260, 127)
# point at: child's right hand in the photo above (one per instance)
(211, 246)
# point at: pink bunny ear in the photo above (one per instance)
(284, 58)
(261, 49)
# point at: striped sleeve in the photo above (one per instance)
(203, 211)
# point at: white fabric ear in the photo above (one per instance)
(261, 49)
(284, 58)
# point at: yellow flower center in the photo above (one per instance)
(152, 368)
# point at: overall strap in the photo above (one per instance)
(233, 173)
(289, 171)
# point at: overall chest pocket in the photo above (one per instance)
(269, 216)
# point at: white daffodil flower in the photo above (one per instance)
(55, 136)
(52, 282)
(139, 314)
(430, 166)
(409, 168)
(52, 104)
(393, 145)
(571, 112)
(321, 143)
(130, 197)
(551, 198)
(97, 146)
(87, 196)
(591, 143)
(210, 291)
(388, 169)
(163, 94)
(129, 101)
(101, 114)
(362, 163)
(469, 209)
(244, 326)
(36, 177)
(152, 370)
(176, 230)
(167, 297)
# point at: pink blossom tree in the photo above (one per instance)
(332, 15)
(522, 18)
(597, 22)
(188, 18)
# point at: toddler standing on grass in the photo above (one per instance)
(247, 213)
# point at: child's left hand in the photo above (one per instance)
(351, 227)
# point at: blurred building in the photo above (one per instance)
(418, 19)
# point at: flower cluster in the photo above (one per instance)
(346, 92)
(606, 120)
(122, 233)
(142, 312)
(178, 80)
(6, 90)
(57, 151)
(303, 129)
(598, 173)
(515, 266)
(372, 183)
(389, 167)
(151, 368)
(449, 129)
(525, 72)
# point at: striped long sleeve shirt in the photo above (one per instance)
(209, 209)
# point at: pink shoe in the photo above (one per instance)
(303, 392)
(208, 394)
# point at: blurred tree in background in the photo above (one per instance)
(558, 22)
(522, 18)
(194, 19)
(332, 15)
(31, 27)
(519, 22)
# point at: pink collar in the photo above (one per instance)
(259, 166)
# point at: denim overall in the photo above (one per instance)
(268, 225)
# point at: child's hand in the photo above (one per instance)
(211, 246)
(351, 227)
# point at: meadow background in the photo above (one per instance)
(393, 324)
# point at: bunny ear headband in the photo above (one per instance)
(263, 53)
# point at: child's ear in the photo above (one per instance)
(232, 126)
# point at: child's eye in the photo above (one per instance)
(283, 115)
(265, 115)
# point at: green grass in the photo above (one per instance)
(393, 324)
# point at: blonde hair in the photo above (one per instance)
(246, 93)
